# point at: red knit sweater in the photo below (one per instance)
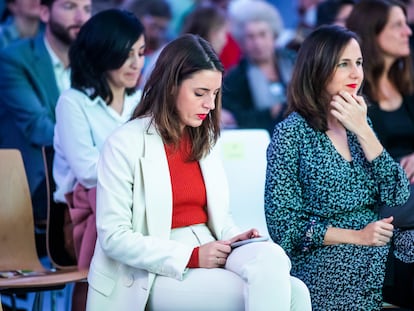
(188, 191)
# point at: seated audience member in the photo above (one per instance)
(33, 72)
(333, 12)
(230, 54)
(156, 16)
(106, 61)
(23, 21)
(326, 174)
(254, 91)
(163, 217)
(389, 87)
(409, 4)
(101, 5)
(209, 22)
(306, 11)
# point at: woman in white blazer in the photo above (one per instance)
(163, 220)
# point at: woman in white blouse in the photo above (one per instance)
(106, 61)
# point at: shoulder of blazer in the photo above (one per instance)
(26, 49)
(38, 48)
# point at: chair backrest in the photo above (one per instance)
(56, 241)
(17, 240)
(243, 153)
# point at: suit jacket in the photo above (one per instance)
(237, 92)
(134, 212)
(28, 95)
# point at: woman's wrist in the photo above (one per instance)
(336, 236)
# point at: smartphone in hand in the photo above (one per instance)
(252, 240)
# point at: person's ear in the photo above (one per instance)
(44, 13)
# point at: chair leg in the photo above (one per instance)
(53, 300)
(13, 302)
(38, 302)
(68, 292)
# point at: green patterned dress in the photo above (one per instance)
(309, 187)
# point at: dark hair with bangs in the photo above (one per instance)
(178, 61)
(47, 3)
(368, 18)
(328, 10)
(315, 65)
(103, 43)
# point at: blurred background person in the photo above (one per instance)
(106, 61)
(333, 12)
(409, 4)
(214, 12)
(156, 16)
(100, 5)
(306, 21)
(210, 22)
(22, 21)
(33, 72)
(231, 53)
(389, 87)
(254, 91)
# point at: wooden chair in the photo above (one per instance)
(21, 270)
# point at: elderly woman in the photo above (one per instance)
(255, 90)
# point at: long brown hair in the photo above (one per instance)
(178, 61)
(316, 62)
(368, 19)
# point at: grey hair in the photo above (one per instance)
(242, 12)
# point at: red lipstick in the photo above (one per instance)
(202, 116)
(352, 85)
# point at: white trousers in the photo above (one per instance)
(255, 278)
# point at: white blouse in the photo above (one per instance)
(82, 126)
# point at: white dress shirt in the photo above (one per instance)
(62, 73)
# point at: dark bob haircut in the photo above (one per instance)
(103, 43)
(315, 65)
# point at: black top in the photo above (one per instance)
(395, 129)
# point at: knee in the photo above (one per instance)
(274, 254)
(300, 294)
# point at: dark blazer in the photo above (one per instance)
(28, 95)
(237, 94)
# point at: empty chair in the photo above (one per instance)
(244, 158)
(19, 263)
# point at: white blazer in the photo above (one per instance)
(134, 211)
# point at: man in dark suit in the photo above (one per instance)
(33, 72)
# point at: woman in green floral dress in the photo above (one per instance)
(327, 173)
